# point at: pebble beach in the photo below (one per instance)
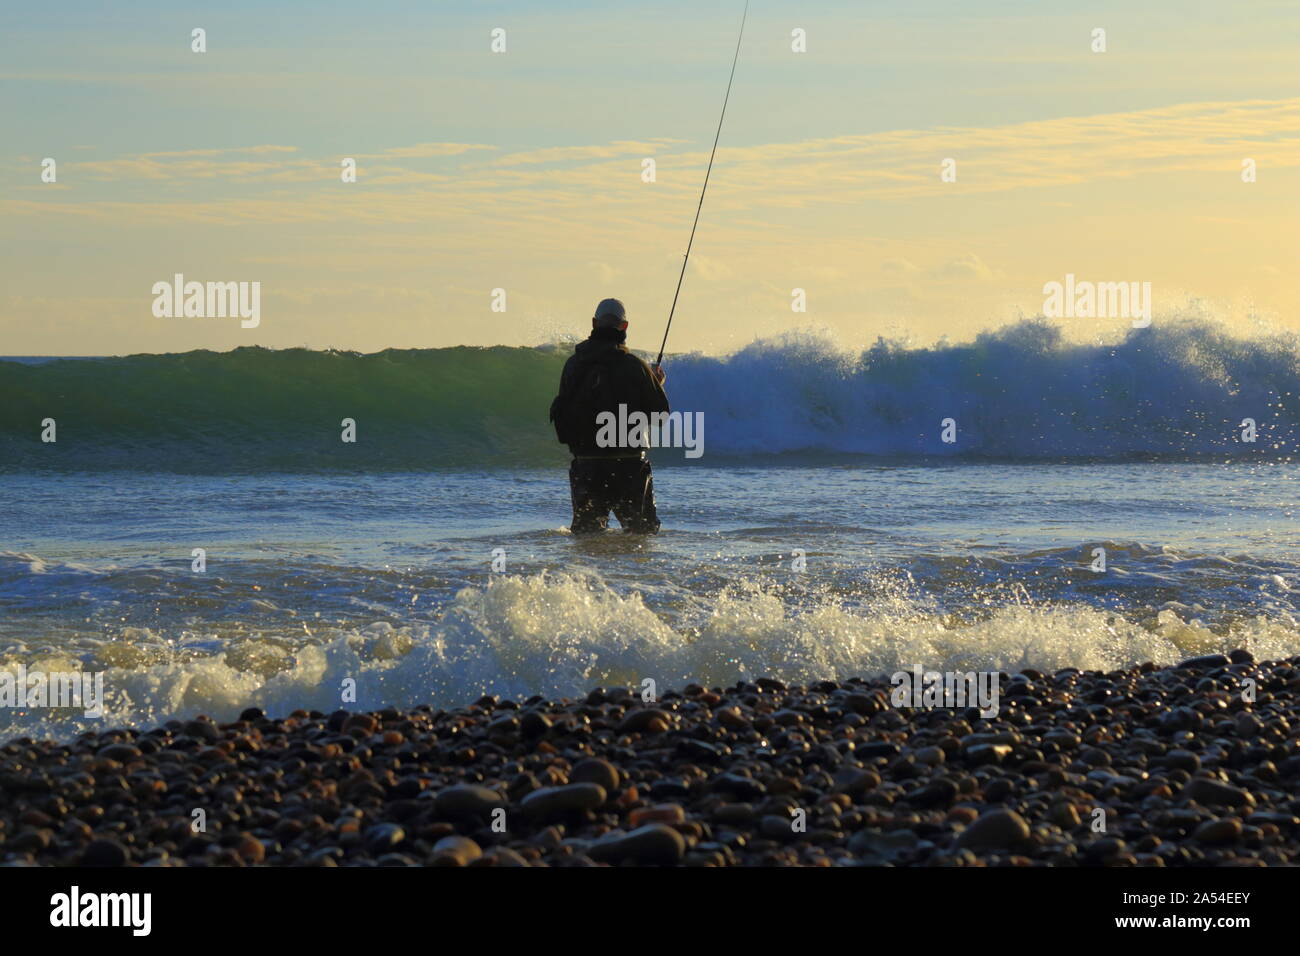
(1148, 766)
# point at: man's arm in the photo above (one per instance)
(559, 401)
(654, 398)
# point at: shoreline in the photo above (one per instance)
(1149, 766)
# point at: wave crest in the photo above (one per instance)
(1178, 389)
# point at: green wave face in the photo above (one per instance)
(255, 409)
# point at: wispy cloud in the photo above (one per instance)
(564, 154)
(427, 150)
(890, 165)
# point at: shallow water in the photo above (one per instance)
(387, 578)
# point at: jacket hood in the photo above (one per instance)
(601, 340)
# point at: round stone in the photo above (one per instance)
(104, 853)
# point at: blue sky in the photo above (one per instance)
(107, 83)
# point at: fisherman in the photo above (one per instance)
(600, 376)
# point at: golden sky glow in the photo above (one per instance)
(1077, 167)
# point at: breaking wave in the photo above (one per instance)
(1176, 390)
(561, 635)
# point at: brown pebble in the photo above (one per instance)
(455, 851)
(555, 801)
(250, 848)
(363, 724)
(996, 829)
(650, 720)
(1213, 793)
(1221, 830)
(467, 799)
(663, 813)
(596, 770)
(655, 844)
(501, 856)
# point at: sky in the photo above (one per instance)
(522, 170)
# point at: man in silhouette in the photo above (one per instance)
(599, 377)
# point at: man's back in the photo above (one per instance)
(600, 376)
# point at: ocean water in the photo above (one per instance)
(826, 532)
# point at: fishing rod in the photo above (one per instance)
(686, 258)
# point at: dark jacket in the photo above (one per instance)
(599, 376)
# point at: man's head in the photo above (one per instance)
(610, 314)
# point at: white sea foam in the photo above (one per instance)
(562, 635)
